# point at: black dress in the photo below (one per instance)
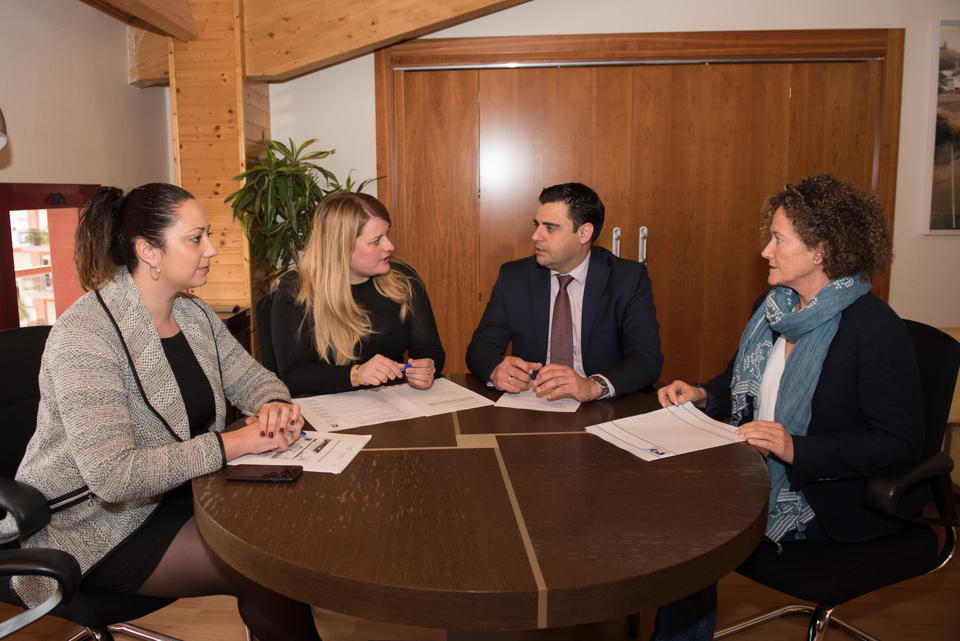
(301, 367)
(131, 563)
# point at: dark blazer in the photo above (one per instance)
(867, 414)
(620, 336)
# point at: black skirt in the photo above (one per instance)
(128, 566)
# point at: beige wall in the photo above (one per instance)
(71, 116)
(336, 105)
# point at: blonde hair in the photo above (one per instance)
(339, 324)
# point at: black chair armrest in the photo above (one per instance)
(55, 564)
(885, 487)
(27, 505)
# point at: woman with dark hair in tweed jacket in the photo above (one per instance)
(133, 386)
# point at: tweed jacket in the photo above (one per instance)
(112, 430)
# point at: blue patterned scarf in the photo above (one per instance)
(812, 330)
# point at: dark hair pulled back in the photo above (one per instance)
(110, 224)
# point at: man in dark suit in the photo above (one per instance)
(601, 340)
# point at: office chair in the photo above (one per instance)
(830, 573)
(267, 356)
(102, 613)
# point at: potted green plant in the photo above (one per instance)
(278, 199)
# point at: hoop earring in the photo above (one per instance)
(150, 269)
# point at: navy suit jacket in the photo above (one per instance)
(620, 336)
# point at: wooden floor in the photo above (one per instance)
(922, 609)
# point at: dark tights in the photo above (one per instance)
(190, 568)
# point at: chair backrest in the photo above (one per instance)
(938, 357)
(955, 408)
(267, 356)
(21, 349)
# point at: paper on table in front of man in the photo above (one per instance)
(332, 412)
(666, 432)
(315, 452)
(528, 400)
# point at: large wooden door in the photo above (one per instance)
(688, 151)
(543, 127)
(438, 217)
(833, 120)
(709, 143)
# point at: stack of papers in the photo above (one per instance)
(315, 452)
(665, 433)
(332, 412)
(528, 400)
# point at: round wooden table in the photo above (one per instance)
(494, 519)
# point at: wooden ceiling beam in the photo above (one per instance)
(147, 63)
(288, 39)
(168, 17)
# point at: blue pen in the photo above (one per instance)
(405, 367)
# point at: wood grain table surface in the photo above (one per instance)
(494, 519)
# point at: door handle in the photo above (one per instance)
(616, 242)
(643, 244)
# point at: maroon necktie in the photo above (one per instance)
(561, 332)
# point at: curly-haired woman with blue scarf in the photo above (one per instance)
(825, 378)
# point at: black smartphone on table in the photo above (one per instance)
(265, 473)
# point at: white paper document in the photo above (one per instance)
(443, 397)
(315, 452)
(666, 432)
(332, 412)
(528, 400)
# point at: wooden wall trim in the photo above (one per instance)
(889, 143)
(640, 47)
(386, 149)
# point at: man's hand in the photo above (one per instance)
(561, 381)
(513, 375)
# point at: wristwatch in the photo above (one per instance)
(602, 382)
(355, 376)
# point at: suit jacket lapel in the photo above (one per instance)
(540, 294)
(597, 277)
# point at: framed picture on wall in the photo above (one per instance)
(945, 195)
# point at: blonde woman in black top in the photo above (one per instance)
(351, 314)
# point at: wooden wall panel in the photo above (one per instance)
(840, 103)
(206, 90)
(439, 234)
(256, 128)
(829, 123)
(710, 143)
(542, 127)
